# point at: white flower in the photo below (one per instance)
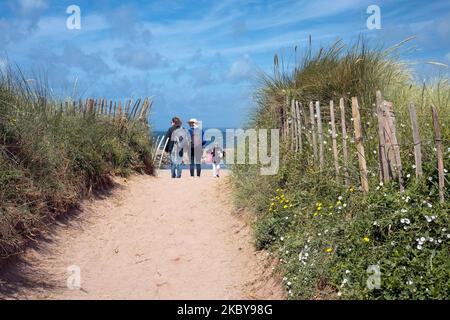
(289, 283)
(402, 220)
(340, 198)
(419, 247)
(339, 294)
(408, 175)
(429, 205)
(347, 271)
(422, 239)
(381, 183)
(282, 238)
(431, 239)
(409, 282)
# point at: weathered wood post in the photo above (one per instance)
(313, 128)
(388, 108)
(294, 141)
(359, 145)
(416, 138)
(384, 166)
(298, 110)
(439, 153)
(333, 136)
(320, 133)
(344, 141)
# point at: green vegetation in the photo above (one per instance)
(50, 157)
(328, 235)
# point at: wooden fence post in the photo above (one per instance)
(294, 142)
(299, 126)
(320, 133)
(384, 166)
(359, 145)
(439, 153)
(333, 136)
(416, 138)
(344, 141)
(389, 109)
(313, 128)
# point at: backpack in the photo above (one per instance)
(179, 139)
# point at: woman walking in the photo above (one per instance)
(177, 142)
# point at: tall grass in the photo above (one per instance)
(326, 234)
(51, 157)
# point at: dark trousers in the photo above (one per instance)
(195, 164)
(192, 169)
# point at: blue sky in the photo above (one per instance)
(200, 58)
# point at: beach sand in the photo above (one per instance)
(150, 238)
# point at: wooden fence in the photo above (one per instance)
(298, 126)
(130, 109)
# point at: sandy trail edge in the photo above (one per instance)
(152, 238)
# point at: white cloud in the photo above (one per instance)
(26, 6)
(447, 56)
(241, 69)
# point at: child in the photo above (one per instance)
(216, 156)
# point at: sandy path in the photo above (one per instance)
(152, 238)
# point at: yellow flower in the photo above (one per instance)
(290, 206)
(282, 201)
(277, 198)
(315, 214)
(351, 189)
(328, 250)
(287, 201)
(366, 239)
(282, 196)
(338, 203)
(319, 208)
(272, 204)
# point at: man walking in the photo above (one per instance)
(196, 149)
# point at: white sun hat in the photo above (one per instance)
(193, 120)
